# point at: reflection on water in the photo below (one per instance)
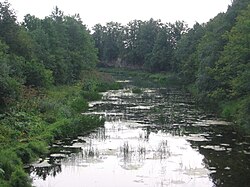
(157, 138)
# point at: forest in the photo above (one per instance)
(49, 71)
(212, 59)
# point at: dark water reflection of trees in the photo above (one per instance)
(226, 152)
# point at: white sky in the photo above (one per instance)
(123, 11)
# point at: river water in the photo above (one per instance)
(155, 138)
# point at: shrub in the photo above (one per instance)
(10, 87)
(79, 104)
(38, 147)
(91, 96)
(61, 128)
(89, 85)
(136, 90)
(64, 111)
(230, 109)
(244, 113)
(3, 183)
(5, 135)
(47, 106)
(1, 173)
(9, 162)
(31, 151)
(105, 86)
(84, 123)
(80, 124)
(36, 75)
(20, 179)
(24, 153)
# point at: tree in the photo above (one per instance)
(9, 86)
(162, 55)
(108, 40)
(208, 51)
(12, 34)
(98, 36)
(233, 67)
(62, 44)
(145, 40)
(186, 53)
(9, 27)
(130, 37)
(36, 75)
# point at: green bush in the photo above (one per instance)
(91, 96)
(237, 111)
(136, 90)
(38, 147)
(70, 128)
(23, 125)
(105, 86)
(61, 128)
(24, 153)
(20, 179)
(36, 75)
(9, 161)
(1, 173)
(29, 130)
(243, 116)
(3, 183)
(230, 109)
(64, 111)
(9, 86)
(31, 151)
(84, 123)
(5, 135)
(47, 106)
(89, 85)
(79, 104)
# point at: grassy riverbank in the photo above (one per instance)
(142, 78)
(42, 116)
(236, 111)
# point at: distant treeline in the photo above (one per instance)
(213, 58)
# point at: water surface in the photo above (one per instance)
(156, 138)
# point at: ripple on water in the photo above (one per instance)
(135, 149)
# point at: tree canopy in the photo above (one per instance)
(143, 44)
(42, 52)
(213, 57)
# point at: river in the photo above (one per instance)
(158, 137)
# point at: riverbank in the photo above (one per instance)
(43, 116)
(145, 79)
(152, 136)
(40, 117)
(236, 111)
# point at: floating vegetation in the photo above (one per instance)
(158, 137)
(137, 90)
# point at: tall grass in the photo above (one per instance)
(42, 116)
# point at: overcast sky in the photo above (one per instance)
(123, 11)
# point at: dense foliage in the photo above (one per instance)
(212, 58)
(36, 121)
(40, 52)
(217, 62)
(36, 55)
(149, 44)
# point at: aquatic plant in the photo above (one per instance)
(136, 90)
